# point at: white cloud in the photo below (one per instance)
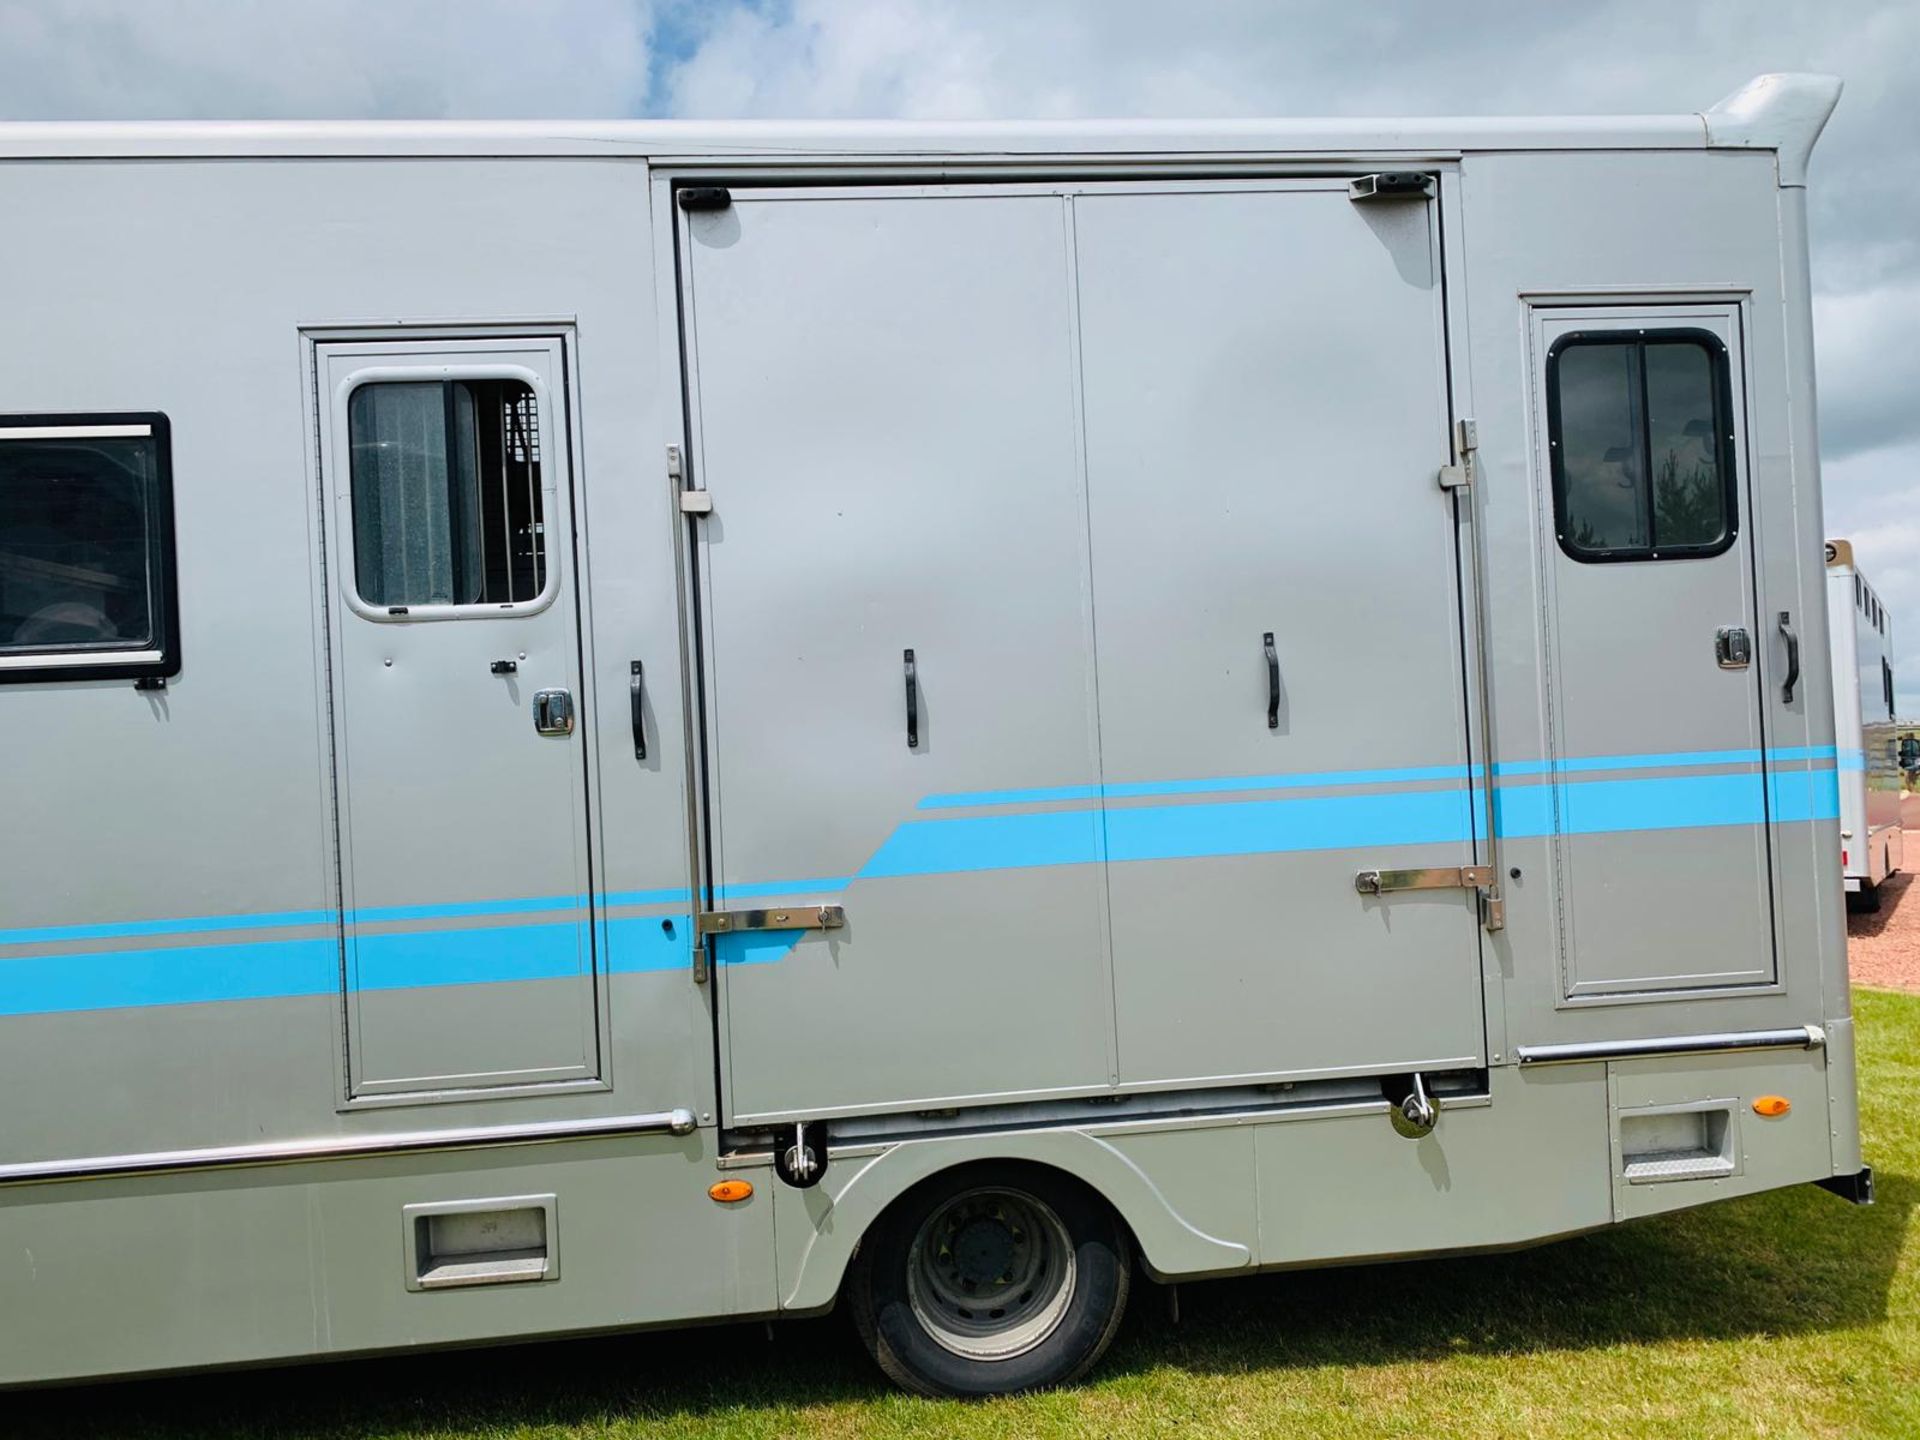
(180, 59)
(1869, 366)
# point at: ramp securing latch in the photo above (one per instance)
(1392, 185)
(1436, 877)
(793, 917)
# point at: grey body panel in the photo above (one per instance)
(171, 974)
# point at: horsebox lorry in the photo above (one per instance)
(1871, 766)
(617, 725)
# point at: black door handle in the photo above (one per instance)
(637, 694)
(1273, 682)
(913, 702)
(1793, 656)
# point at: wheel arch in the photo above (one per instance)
(822, 1227)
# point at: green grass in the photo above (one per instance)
(1784, 1314)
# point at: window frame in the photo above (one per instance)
(153, 664)
(418, 372)
(1720, 359)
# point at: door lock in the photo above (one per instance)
(553, 712)
(1733, 647)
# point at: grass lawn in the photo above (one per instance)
(1784, 1314)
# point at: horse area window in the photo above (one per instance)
(446, 488)
(87, 586)
(1639, 425)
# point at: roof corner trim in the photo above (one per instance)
(1784, 112)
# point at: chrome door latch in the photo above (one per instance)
(1438, 877)
(1493, 906)
(794, 917)
(553, 712)
(1733, 647)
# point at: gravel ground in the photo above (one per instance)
(1884, 948)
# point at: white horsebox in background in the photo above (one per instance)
(1866, 730)
(614, 725)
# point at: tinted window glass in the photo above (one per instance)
(1689, 498)
(1641, 450)
(79, 569)
(1599, 441)
(445, 479)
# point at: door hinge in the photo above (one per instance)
(692, 501)
(1436, 877)
(794, 917)
(1459, 475)
(1392, 185)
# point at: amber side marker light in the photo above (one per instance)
(1772, 1105)
(730, 1192)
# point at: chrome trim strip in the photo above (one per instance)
(1800, 1037)
(343, 1147)
(72, 432)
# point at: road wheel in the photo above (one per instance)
(991, 1279)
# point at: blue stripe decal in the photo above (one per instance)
(1216, 785)
(192, 925)
(186, 975)
(1212, 785)
(263, 967)
(287, 969)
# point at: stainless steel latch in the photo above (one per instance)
(1733, 647)
(1438, 877)
(553, 712)
(794, 917)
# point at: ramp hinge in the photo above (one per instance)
(1435, 877)
(692, 502)
(1392, 185)
(794, 917)
(1459, 475)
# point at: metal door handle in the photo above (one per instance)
(553, 712)
(1793, 656)
(637, 694)
(1273, 682)
(913, 702)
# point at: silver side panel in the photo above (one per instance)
(912, 440)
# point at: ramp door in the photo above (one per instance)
(1079, 611)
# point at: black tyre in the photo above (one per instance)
(1865, 900)
(991, 1279)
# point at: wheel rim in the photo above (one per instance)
(991, 1273)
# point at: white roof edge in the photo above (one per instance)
(818, 141)
(1781, 112)
(1784, 112)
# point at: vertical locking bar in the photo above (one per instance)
(1493, 904)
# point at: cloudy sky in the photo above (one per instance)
(999, 58)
